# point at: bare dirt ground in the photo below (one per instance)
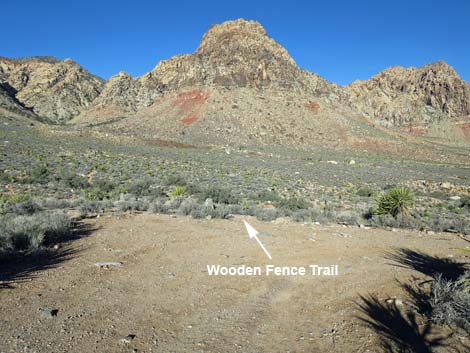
(164, 296)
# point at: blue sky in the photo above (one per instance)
(340, 40)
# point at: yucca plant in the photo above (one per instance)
(177, 191)
(397, 200)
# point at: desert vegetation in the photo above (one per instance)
(92, 176)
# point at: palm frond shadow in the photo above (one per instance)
(427, 264)
(400, 332)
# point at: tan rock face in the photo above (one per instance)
(234, 54)
(239, 82)
(398, 96)
(57, 90)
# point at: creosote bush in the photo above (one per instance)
(39, 175)
(219, 195)
(24, 233)
(396, 201)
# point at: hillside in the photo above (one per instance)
(52, 89)
(242, 87)
(424, 95)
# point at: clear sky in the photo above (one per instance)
(340, 40)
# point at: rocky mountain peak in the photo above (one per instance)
(241, 37)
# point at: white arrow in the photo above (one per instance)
(252, 233)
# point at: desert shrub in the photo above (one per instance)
(199, 212)
(397, 200)
(39, 175)
(450, 301)
(188, 206)
(5, 177)
(306, 215)
(52, 203)
(177, 191)
(218, 195)
(235, 209)
(174, 180)
(131, 203)
(174, 203)
(465, 202)
(22, 233)
(267, 214)
(90, 207)
(440, 223)
(6, 200)
(145, 187)
(57, 227)
(72, 180)
(22, 208)
(221, 211)
(100, 189)
(347, 217)
(292, 204)
(266, 195)
(365, 192)
(159, 206)
(400, 221)
(192, 188)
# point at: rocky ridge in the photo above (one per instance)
(50, 88)
(231, 55)
(240, 81)
(424, 95)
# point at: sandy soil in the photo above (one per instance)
(164, 296)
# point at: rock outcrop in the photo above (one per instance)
(50, 88)
(234, 54)
(239, 85)
(424, 95)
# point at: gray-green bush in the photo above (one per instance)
(30, 232)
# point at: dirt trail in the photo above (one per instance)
(164, 296)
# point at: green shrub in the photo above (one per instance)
(57, 227)
(174, 180)
(365, 192)
(6, 178)
(465, 202)
(101, 189)
(39, 175)
(24, 233)
(22, 208)
(395, 201)
(177, 191)
(7, 200)
(73, 180)
(292, 204)
(267, 214)
(218, 195)
(266, 195)
(159, 206)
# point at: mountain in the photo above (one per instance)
(232, 55)
(49, 88)
(423, 96)
(239, 87)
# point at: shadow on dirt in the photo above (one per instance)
(400, 332)
(407, 327)
(426, 264)
(21, 267)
